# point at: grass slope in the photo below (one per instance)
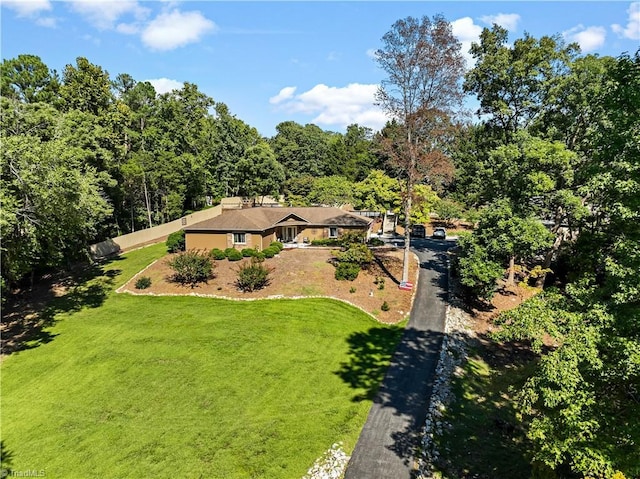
(140, 386)
(485, 440)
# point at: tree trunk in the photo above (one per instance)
(512, 268)
(146, 199)
(407, 239)
(548, 257)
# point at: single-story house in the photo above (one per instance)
(258, 227)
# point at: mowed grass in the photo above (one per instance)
(485, 440)
(142, 386)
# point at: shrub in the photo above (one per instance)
(375, 242)
(270, 252)
(248, 252)
(385, 306)
(217, 253)
(347, 271)
(175, 242)
(253, 275)
(233, 254)
(143, 282)
(352, 290)
(356, 253)
(351, 237)
(380, 282)
(277, 244)
(191, 267)
(325, 242)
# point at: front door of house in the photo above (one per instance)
(289, 233)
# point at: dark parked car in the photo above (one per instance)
(418, 231)
(439, 233)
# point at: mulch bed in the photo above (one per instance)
(302, 272)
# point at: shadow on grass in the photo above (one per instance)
(30, 314)
(486, 440)
(369, 355)
(6, 460)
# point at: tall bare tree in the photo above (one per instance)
(422, 93)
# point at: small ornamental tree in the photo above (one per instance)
(191, 267)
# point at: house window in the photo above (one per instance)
(333, 232)
(239, 238)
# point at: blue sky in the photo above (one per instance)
(310, 62)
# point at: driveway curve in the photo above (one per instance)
(385, 448)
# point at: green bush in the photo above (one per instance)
(385, 306)
(143, 282)
(325, 242)
(270, 252)
(253, 275)
(347, 271)
(248, 252)
(233, 254)
(191, 267)
(352, 290)
(375, 242)
(217, 253)
(175, 242)
(356, 253)
(277, 244)
(351, 237)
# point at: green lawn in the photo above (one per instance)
(486, 440)
(140, 386)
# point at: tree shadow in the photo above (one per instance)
(29, 314)
(369, 355)
(486, 439)
(407, 381)
(6, 460)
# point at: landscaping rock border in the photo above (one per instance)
(452, 354)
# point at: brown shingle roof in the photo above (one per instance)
(260, 219)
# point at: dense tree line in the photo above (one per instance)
(559, 143)
(86, 156)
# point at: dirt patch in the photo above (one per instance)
(302, 272)
(506, 298)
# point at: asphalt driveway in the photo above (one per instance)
(389, 437)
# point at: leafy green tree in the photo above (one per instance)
(475, 269)
(515, 83)
(86, 87)
(424, 202)
(259, 172)
(448, 210)
(378, 192)
(52, 205)
(297, 190)
(511, 238)
(581, 404)
(301, 149)
(332, 191)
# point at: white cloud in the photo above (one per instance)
(506, 20)
(27, 8)
(176, 29)
(49, 22)
(589, 39)
(285, 94)
(632, 30)
(467, 32)
(333, 56)
(165, 85)
(371, 53)
(103, 14)
(336, 106)
(128, 28)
